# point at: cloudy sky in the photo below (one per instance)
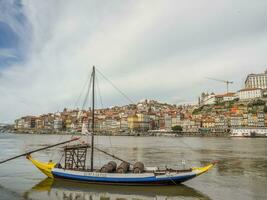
(161, 50)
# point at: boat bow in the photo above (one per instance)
(45, 167)
(200, 170)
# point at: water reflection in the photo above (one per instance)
(69, 190)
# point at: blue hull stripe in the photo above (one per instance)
(152, 179)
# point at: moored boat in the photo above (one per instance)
(75, 166)
(252, 132)
(148, 177)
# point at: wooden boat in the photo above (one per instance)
(148, 177)
(74, 167)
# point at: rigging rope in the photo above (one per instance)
(97, 83)
(115, 87)
(87, 93)
(80, 95)
(98, 89)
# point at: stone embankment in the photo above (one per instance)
(154, 133)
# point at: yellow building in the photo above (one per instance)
(133, 123)
(68, 123)
(208, 123)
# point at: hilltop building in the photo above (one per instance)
(249, 93)
(209, 99)
(256, 81)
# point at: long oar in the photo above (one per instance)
(29, 152)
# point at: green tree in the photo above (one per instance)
(177, 128)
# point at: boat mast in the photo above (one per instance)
(93, 120)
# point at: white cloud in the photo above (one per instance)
(160, 49)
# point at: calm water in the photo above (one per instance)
(240, 174)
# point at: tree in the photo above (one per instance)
(177, 128)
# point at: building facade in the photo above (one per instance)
(256, 80)
(249, 93)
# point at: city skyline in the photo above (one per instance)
(162, 51)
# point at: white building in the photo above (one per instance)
(256, 80)
(209, 99)
(230, 96)
(249, 93)
(249, 132)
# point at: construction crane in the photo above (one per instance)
(223, 81)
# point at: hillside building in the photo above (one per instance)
(256, 81)
(249, 93)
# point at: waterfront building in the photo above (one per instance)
(58, 124)
(133, 122)
(124, 124)
(27, 122)
(236, 120)
(249, 93)
(252, 120)
(220, 123)
(143, 121)
(245, 120)
(256, 81)
(68, 123)
(19, 123)
(48, 121)
(39, 122)
(176, 120)
(265, 119)
(260, 116)
(111, 124)
(208, 123)
(189, 125)
(154, 122)
(168, 122)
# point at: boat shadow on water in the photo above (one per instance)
(71, 190)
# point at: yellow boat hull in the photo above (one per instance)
(46, 168)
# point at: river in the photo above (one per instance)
(241, 172)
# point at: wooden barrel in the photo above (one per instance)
(123, 167)
(113, 165)
(108, 168)
(138, 167)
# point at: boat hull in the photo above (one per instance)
(124, 179)
(168, 178)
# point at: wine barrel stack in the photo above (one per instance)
(123, 167)
(110, 167)
(138, 168)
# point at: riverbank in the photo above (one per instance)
(106, 133)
